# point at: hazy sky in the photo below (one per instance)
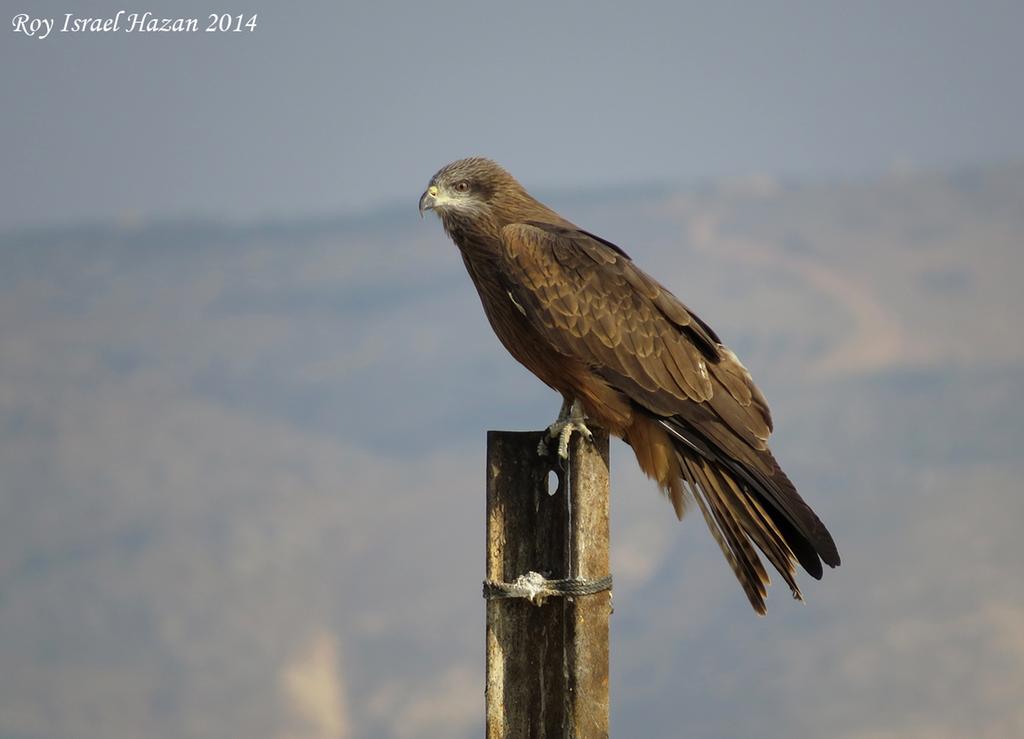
(333, 106)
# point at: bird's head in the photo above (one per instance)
(477, 195)
(466, 188)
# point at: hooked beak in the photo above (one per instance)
(428, 199)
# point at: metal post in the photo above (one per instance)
(547, 665)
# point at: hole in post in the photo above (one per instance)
(552, 482)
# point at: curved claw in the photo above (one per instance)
(570, 419)
(565, 433)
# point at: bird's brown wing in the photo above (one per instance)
(591, 302)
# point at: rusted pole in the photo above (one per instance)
(547, 665)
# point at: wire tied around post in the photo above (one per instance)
(536, 588)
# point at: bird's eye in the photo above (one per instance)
(462, 186)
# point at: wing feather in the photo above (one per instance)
(624, 321)
(591, 301)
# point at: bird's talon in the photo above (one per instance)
(562, 430)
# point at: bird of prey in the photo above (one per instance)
(627, 354)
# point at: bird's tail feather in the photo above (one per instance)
(734, 522)
(744, 509)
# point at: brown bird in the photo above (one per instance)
(576, 311)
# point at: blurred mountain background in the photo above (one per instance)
(244, 388)
(243, 470)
